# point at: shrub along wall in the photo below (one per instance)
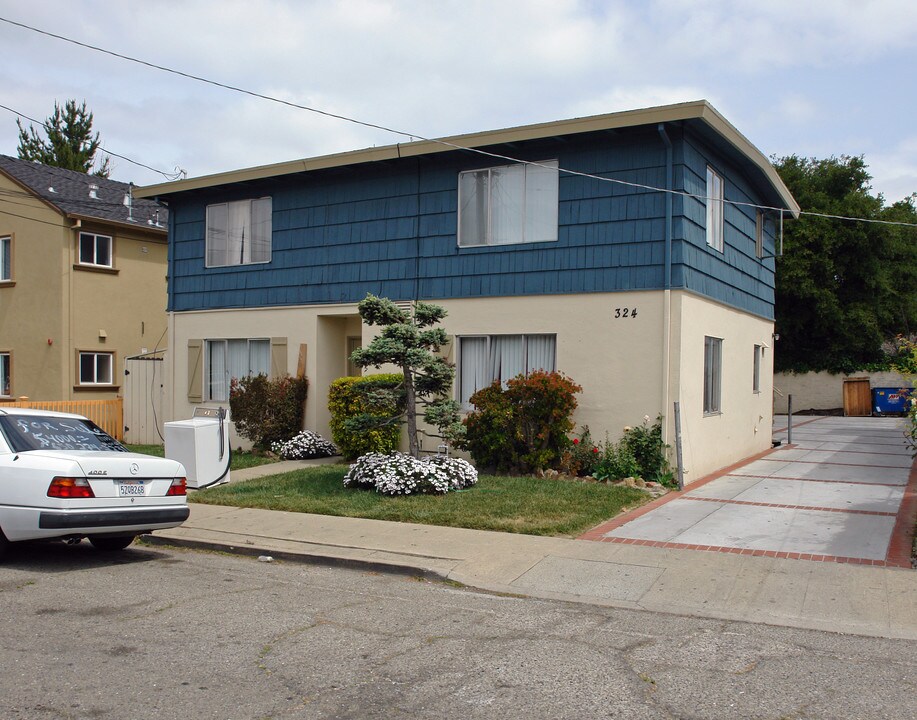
(377, 396)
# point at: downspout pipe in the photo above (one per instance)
(667, 404)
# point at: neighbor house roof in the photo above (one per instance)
(71, 193)
(699, 114)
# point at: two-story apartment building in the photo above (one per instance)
(82, 281)
(632, 251)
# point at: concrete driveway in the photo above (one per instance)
(845, 490)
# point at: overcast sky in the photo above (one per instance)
(806, 77)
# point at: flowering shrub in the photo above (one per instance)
(402, 474)
(582, 456)
(306, 444)
(524, 427)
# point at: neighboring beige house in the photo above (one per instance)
(82, 282)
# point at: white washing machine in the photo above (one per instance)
(201, 444)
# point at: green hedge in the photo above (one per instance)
(354, 400)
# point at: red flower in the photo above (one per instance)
(576, 441)
(595, 449)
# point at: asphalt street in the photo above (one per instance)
(157, 632)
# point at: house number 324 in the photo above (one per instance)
(625, 312)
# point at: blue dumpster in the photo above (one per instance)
(887, 401)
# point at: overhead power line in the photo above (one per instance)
(416, 136)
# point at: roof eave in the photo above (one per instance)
(695, 110)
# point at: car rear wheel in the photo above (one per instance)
(4, 544)
(111, 544)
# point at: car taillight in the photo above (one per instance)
(179, 486)
(68, 487)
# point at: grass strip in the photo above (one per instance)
(528, 505)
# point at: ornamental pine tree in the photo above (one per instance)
(410, 342)
(70, 143)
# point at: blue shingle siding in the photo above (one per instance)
(390, 228)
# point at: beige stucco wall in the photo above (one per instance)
(31, 306)
(52, 310)
(743, 427)
(822, 390)
(129, 307)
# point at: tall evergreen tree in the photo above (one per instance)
(843, 286)
(69, 142)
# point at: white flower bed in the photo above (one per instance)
(304, 445)
(400, 474)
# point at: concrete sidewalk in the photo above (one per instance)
(836, 596)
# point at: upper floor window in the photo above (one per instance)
(239, 232)
(486, 358)
(228, 359)
(95, 250)
(508, 204)
(759, 234)
(97, 368)
(6, 259)
(5, 374)
(714, 209)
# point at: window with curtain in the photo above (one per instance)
(227, 359)
(239, 232)
(715, 197)
(510, 204)
(713, 360)
(6, 257)
(486, 358)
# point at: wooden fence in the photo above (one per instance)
(107, 414)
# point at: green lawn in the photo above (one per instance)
(240, 460)
(534, 506)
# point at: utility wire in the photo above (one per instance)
(415, 136)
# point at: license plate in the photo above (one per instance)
(130, 488)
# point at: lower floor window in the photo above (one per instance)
(96, 368)
(227, 359)
(486, 358)
(5, 374)
(713, 360)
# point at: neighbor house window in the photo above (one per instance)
(508, 204)
(486, 358)
(713, 360)
(239, 232)
(95, 250)
(97, 368)
(228, 359)
(759, 234)
(714, 209)
(756, 379)
(6, 259)
(5, 374)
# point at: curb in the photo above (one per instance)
(302, 558)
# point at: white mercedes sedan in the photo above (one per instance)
(63, 478)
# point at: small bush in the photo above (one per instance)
(267, 411)
(356, 402)
(524, 427)
(615, 461)
(582, 456)
(648, 450)
(303, 446)
(402, 474)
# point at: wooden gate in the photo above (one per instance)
(144, 395)
(857, 397)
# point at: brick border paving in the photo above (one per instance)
(900, 544)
